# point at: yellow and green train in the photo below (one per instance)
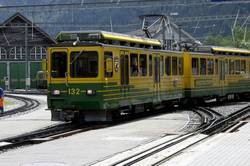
(92, 75)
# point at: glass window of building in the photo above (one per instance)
(3, 53)
(17, 53)
(38, 53)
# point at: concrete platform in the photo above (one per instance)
(225, 149)
(93, 145)
(26, 122)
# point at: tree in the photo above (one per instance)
(240, 38)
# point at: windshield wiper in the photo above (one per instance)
(75, 58)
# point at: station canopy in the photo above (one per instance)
(71, 36)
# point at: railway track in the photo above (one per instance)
(61, 130)
(29, 104)
(159, 153)
(212, 122)
(45, 135)
(29, 92)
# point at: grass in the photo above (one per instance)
(6, 102)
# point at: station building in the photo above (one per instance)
(23, 46)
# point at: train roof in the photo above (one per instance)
(223, 50)
(100, 36)
(231, 50)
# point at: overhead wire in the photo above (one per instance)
(90, 5)
(122, 2)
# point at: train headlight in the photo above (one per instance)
(90, 92)
(56, 92)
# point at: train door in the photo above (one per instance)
(221, 75)
(124, 63)
(157, 76)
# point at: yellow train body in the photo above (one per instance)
(96, 79)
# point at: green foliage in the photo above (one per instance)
(239, 39)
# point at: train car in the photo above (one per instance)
(93, 75)
(219, 72)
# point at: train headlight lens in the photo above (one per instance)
(56, 92)
(90, 92)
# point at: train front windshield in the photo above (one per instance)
(84, 64)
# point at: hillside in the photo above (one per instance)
(200, 18)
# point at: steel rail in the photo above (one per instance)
(215, 123)
(45, 135)
(132, 159)
(29, 104)
(212, 130)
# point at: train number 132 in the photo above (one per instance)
(74, 91)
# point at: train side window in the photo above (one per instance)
(133, 64)
(237, 67)
(243, 67)
(180, 66)
(108, 57)
(143, 65)
(231, 67)
(174, 65)
(162, 66)
(195, 66)
(210, 66)
(150, 65)
(249, 67)
(226, 66)
(216, 66)
(203, 66)
(168, 65)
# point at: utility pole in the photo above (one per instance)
(111, 24)
(179, 26)
(233, 28)
(27, 81)
(164, 29)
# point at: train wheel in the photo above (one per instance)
(55, 115)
